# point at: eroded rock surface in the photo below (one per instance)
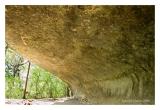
(105, 53)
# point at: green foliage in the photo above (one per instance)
(13, 67)
(13, 88)
(41, 84)
(13, 63)
(45, 85)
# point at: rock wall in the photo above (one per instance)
(105, 53)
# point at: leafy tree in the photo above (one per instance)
(44, 84)
(41, 84)
(14, 63)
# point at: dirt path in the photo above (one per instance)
(59, 101)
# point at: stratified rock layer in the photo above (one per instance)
(105, 53)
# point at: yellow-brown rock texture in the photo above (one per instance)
(105, 53)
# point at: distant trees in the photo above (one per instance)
(14, 66)
(14, 63)
(43, 84)
(38, 83)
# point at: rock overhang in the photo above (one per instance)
(101, 51)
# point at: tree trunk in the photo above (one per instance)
(24, 95)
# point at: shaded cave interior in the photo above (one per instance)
(105, 53)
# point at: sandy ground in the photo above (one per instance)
(59, 101)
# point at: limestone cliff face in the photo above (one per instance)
(105, 53)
